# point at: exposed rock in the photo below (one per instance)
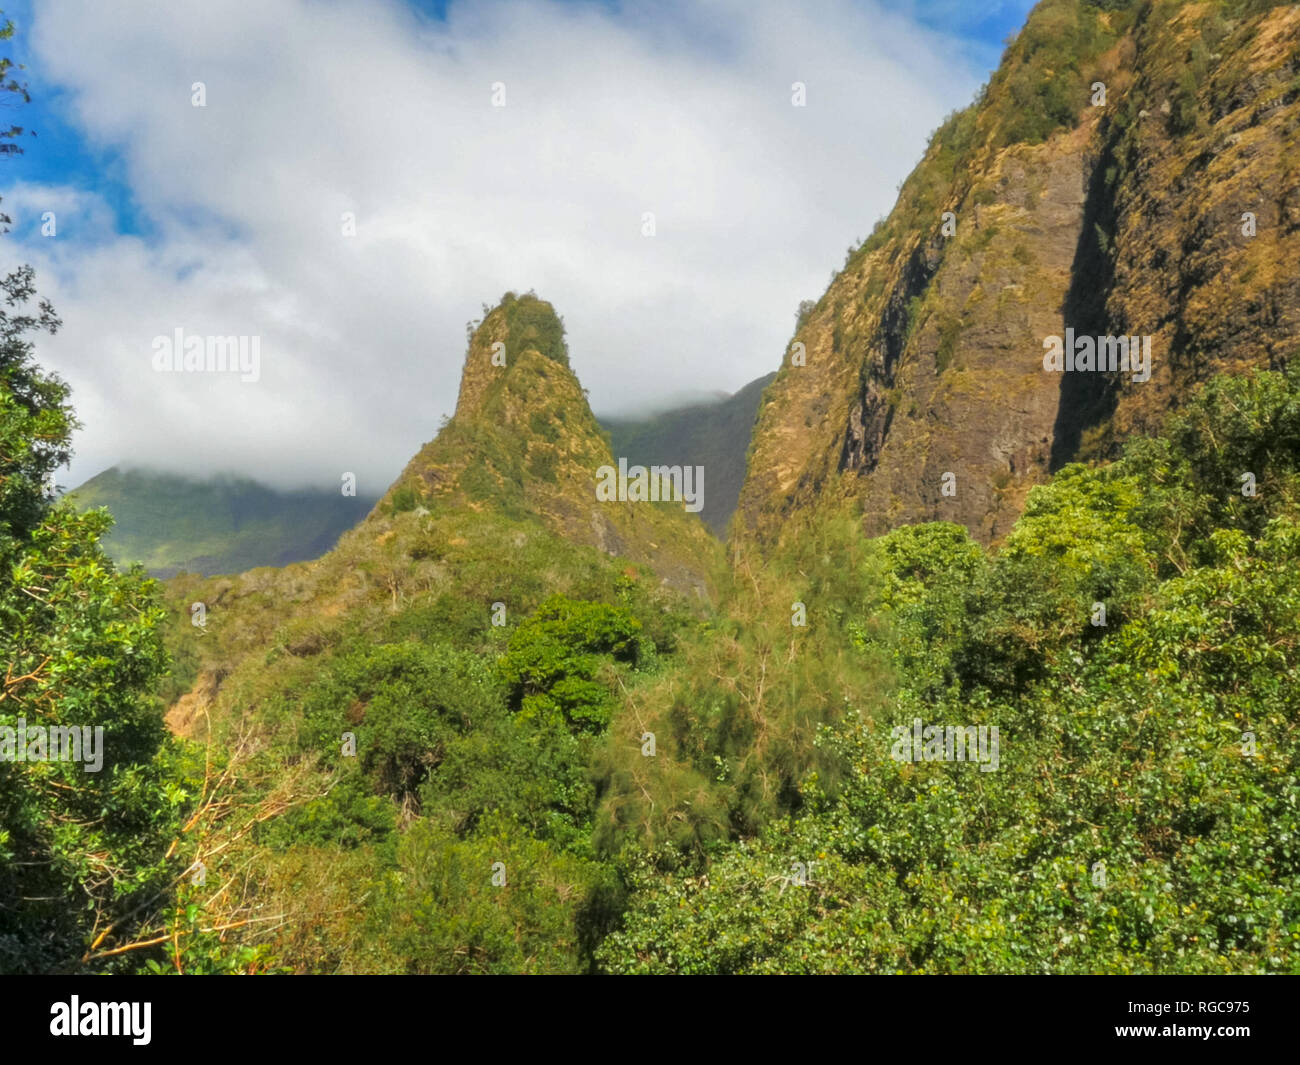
(925, 355)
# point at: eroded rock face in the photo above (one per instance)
(1214, 298)
(925, 355)
(972, 397)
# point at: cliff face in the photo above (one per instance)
(1215, 158)
(1046, 206)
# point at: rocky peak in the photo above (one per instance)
(516, 325)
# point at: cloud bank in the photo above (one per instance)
(320, 110)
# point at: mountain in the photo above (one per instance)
(220, 525)
(500, 507)
(524, 441)
(1130, 170)
(714, 434)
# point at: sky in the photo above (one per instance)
(365, 175)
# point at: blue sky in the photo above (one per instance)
(225, 220)
(60, 153)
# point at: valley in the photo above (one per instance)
(547, 705)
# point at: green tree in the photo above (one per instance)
(554, 657)
(81, 852)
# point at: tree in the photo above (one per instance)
(12, 87)
(554, 657)
(81, 844)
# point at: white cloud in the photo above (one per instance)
(316, 108)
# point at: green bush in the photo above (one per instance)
(498, 902)
(405, 498)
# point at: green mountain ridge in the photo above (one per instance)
(224, 525)
(714, 434)
(171, 523)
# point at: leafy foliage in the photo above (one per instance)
(531, 323)
(551, 665)
(1144, 814)
(80, 850)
